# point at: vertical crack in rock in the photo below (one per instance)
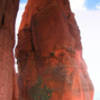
(2, 20)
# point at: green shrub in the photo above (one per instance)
(40, 92)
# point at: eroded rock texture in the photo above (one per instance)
(8, 11)
(49, 54)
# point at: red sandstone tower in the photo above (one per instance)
(8, 12)
(49, 48)
(49, 53)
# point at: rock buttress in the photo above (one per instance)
(8, 85)
(49, 54)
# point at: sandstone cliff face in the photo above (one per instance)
(49, 54)
(8, 11)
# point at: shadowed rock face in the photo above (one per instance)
(49, 54)
(8, 11)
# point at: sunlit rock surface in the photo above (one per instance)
(49, 54)
(8, 84)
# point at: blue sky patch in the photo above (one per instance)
(91, 4)
(23, 1)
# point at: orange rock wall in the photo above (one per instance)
(8, 85)
(49, 51)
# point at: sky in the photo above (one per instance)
(87, 14)
(91, 4)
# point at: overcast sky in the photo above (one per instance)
(87, 14)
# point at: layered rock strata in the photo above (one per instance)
(8, 83)
(49, 54)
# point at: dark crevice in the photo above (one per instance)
(32, 44)
(2, 20)
(33, 48)
(65, 2)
